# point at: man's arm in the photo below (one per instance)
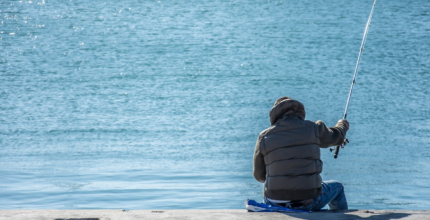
(258, 163)
(332, 136)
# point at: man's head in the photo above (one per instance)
(285, 106)
(281, 99)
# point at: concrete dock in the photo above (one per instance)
(207, 215)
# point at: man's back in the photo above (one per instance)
(292, 160)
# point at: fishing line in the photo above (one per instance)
(336, 150)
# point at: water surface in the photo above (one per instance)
(158, 104)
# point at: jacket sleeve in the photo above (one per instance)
(258, 163)
(332, 136)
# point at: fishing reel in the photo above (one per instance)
(345, 141)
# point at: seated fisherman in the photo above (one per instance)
(287, 159)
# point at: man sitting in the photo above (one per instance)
(287, 159)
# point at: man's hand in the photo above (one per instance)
(345, 122)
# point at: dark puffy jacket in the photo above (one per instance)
(287, 155)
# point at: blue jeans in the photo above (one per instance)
(332, 194)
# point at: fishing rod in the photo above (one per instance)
(336, 150)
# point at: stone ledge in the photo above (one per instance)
(208, 214)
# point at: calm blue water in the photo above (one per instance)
(158, 104)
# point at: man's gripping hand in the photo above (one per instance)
(344, 121)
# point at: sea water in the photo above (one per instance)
(158, 104)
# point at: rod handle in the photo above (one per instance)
(336, 151)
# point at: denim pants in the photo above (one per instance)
(332, 194)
